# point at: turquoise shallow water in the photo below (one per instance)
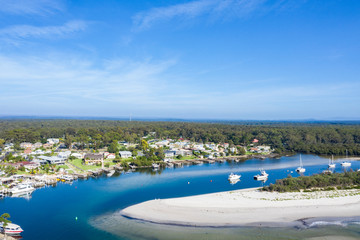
(51, 212)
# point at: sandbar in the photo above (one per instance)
(248, 207)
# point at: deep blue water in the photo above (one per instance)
(51, 212)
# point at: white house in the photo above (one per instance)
(125, 154)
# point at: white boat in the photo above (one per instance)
(300, 169)
(233, 176)
(111, 173)
(22, 188)
(346, 164)
(11, 229)
(67, 178)
(262, 176)
(331, 162)
(155, 165)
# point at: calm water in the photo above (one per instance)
(51, 212)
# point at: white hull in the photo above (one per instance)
(16, 191)
(300, 170)
(346, 164)
(332, 165)
(260, 177)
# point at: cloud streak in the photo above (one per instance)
(28, 31)
(211, 8)
(31, 7)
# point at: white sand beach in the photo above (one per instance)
(248, 207)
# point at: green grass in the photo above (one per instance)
(185, 158)
(78, 163)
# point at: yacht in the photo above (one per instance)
(346, 164)
(300, 169)
(22, 188)
(11, 229)
(262, 176)
(67, 178)
(233, 176)
(331, 162)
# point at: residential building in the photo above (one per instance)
(93, 158)
(125, 154)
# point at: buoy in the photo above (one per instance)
(210, 180)
(188, 182)
(76, 218)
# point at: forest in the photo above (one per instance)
(304, 137)
(324, 181)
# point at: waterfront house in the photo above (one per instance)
(64, 155)
(111, 156)
(53, 160)
(77, 155)
(125, 154)
(169, 154)
(47, 145)
(93, 158)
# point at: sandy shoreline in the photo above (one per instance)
(248, 207)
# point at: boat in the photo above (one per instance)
(300, 169)
(67, 178)
(233, 176)
(331, 162)
(327, 171)
(11, 229)
(262, 176)
(111, 173)
(346, 164)
(22, 188)
(155, 165)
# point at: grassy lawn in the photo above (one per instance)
(185, 158)
(78, 163)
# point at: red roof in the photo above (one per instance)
(255, 140)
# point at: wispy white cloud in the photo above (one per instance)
(28, 31)
(31, 7)
(213, 8)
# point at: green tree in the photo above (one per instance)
(2, 141)
(113, 147)
(4, 219)
(144, 145)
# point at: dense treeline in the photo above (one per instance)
(323, 181)
(318, 138)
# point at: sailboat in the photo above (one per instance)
(300, 169)
(331, 162)
(346, 163)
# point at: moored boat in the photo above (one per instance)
(331, 163)
(22, 188)
(11, 229)
(233, 177)
(262, 176)
(300, 169)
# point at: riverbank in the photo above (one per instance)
(248, 207)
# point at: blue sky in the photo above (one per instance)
(217, 59)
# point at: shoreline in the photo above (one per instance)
(249, 207)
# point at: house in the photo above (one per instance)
(77, 155)
(37, 152)
(25, 145)
(31, 165)
(111, 156)
(169, 153)
(255, 140)
(125, 154)
(37, 145)
(93, 158)
(64, 155)
(28, 150)
(47, 145)
(53, 160)
(53, 141)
